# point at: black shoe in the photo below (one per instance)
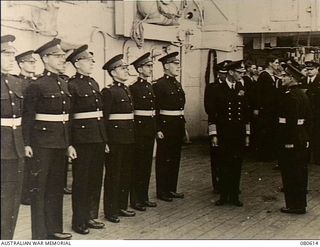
(67, 191)
(176, 195)
(237, 203)
(293, 211)
(150, 204)
(113, 219)
(60, 236)
(165, 198)
(81, 229)
(26, 202)
(139, 207)
(126, 213)
(220, 202)
(95, 224)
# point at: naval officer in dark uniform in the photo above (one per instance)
(88, 136)
(145, 131)
(208, 94)
(12, 146)
(229, 117)
(119, 120)
(27, 65)
(313, 92)
(46, 132)
(294, 124)
(170, 101)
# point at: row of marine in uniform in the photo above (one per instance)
(230, 107)
(47, 118)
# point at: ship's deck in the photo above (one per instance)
(196, 217)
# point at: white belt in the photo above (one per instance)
(52, 117)
(172, 113)
(11, 122)
(284, 120)
(121, 116)
(145, 113)
(86, 115)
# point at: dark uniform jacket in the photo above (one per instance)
(48, 94)
(294, 118)
(143, 99)
(313, 93)
(86, 97)
(208, 94)
(117, 99)
(12, 146)
(305, 82)
(229, 112)
(169, 96)
(26, 81)
(267, 96)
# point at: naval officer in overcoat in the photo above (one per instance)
(229, 117)
(294, 125)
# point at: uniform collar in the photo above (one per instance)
(141, 80)
(169, 77)
(81, 76)
(50, 74)
(229, 83)
(119, 84)
(25, 77)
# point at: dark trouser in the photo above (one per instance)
(87, 181)
(11, 185)
(294, 172)
(66, 168)
(47, 191)
(267, 139)
(315, 144)
(214, 159)
(141, 170)
(168, 164)
(254, 129)
(26, 195)
(117, 181)
(230, 168)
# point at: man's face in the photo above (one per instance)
(121, 73)
(85, 66)
(252, 70)
(55, 61)
(7, 61)
(312, 71)
(286, 79)
(275, 64)
(146, 70)
(259, 70)
(222, 76)
(28, 66)
(173, 68)
(237, 75)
